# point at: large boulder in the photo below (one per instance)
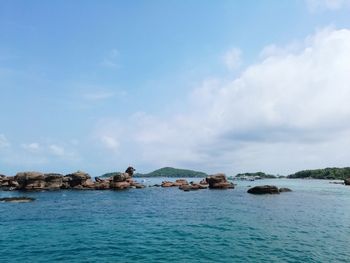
(347, 181)
(53, 181)
(121, 177)
(130, 171)
(219, 181)
(8, 183)
(30, 180)
(77, 179)
(264, 189)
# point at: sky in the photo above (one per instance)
(215, 86)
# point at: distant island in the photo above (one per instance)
(172, 172)
(326, 173)
(257, 175)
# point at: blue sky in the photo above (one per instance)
(98, 86)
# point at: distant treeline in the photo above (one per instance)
(257, 174)
(172, 172)
(327, 173)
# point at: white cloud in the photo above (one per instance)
(33, 147)
(232, 58)
(110, 142)
(319, 5)
(4, 142)
(56, 150)
(287, 112)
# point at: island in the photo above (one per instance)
(254, 176)
(173, 172)
(326, 173)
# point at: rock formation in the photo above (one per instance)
(78, 180)
(347, 181)
(219, 181)
(284, 189)
(264, 189)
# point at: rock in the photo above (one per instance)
(167, 184)
(347, 181)
(30, 181)
(9, 183)
(119, 185)
(180, 182)
(203, 182)
(53, 181)
(102, 185)
(89, 184)
(264, 189)
(191, 187)
(130, 170)
(219, 181)
(76, 179)
(17, 199)
(121, 177)
(284, 189)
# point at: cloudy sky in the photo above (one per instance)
(216, 86)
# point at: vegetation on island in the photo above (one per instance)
(172, 172)
(327, 173)
(257, 174)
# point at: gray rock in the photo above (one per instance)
(264, 189)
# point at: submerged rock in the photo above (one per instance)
(17, 199)
(264, 189)
(219, 181)
(284, 189)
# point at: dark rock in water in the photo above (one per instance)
(219, 181)
(17, 199)
(192, 187)
(30, 180)
(347, 181)
(130, 170)
(284, 189)
(264, 189)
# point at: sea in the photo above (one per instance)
(310, 224)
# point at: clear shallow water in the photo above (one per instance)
(311, 224)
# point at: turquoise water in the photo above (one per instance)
(311, 224)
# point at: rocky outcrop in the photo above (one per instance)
(30, 181)
(284, 189)
(264, 189)
(77, 179)
(177, 183)
(347, 181)
(219, 181)
(8, 183)
(53, 181)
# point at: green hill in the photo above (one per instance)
(172, 172)
(258, 174)
(327, 173)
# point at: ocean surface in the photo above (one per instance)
(310, 224)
